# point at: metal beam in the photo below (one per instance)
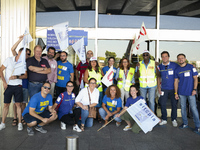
(65, 4)
(40, 6)
(190, 10)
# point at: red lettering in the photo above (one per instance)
(111, 73)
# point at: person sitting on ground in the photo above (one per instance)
(83, 101)
(35, 113)
(125, 115)
(111, 105)
(65, 104)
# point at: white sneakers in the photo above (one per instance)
(2, 126)
(76, 128)
(20, 127)
(174, 123)
(127, 128)
(63, 126)
(163, 122)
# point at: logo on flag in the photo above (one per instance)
(108, 78)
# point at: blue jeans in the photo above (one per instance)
(192, 102)
(88, 122)
(151, 96)
(103, 114)
(163, 100)
(100, 99)
(34, 88)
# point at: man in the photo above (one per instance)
(81, 68)
(65, 73)
(166, 89)
(147, 71)
(35, 113)
(38, 68)
(185, 86)
(111, 61)
(52, 77)
(12, 83)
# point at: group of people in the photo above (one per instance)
(44, 75)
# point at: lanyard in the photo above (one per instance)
(125, 73)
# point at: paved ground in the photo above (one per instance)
(109, 138)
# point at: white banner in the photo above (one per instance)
(108, 77)
(80, 50)
(143, 115)
(61, 32)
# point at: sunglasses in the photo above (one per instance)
(28, 54)
(145, 54)
(70, 86)
(92, 83)
(45, 87)
(166, 67)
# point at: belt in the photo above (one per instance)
(36, 82)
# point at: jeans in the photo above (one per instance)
(192, 102)
(100, 99)
(34, 88)
(151, 96)
(88, 122)
(163, 100)
(124, 93)
(103, 114)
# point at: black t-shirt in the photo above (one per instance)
(33, 76)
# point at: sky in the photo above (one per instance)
(87, 19)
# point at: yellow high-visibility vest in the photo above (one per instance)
(128, 83)
(147, 75)
(97, 76)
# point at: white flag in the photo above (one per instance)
(108, 78)
(80, 50)
(20, 66)
(61, 32)
(133, 47)
(143, 115)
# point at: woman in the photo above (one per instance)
(125, 115)
(66, 112)
(111, 105)
(125, 78)
(83, 101)
(94, 71)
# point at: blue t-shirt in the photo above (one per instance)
(167, 75)
(25, 83)
(63, 73)
(39, 103)
(105, 69)
(130, 101)
(186, 82)
(66, 105)
(112, 105)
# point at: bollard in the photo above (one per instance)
(72, 142)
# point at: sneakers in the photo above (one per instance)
(174, 123)
(76, 128)
(62, 125)
(40, 129)
(30, 131)
(20, 127)
(118, 124)
(197, 130)
(2, 126)
(163, 122)
(183, 126)
(127, 128)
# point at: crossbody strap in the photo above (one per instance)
(89, 95)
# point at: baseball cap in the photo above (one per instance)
(93, 58)
(145, 51)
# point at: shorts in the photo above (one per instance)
(25, 96)
(28, 118)
(15, 90)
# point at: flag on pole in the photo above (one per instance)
(133, 47)
(143, 115)
(61, 31)
(20, 66)
(80, 49)
(108, 78)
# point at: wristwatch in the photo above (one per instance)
(195, 89)
(17, 77)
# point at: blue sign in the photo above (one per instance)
(75, 35)
(52, 40)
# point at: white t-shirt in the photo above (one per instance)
(83, 97)
(9, 63)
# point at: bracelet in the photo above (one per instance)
(195, 89)
(175, 93)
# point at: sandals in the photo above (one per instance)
(14, 122)
(82, 127)
(23, 122)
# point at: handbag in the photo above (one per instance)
(92, 110)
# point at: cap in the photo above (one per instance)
(145, 51)
(93, 58)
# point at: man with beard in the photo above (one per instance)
(185, 86)
(37, 69)
(65, 73)
(52, 77)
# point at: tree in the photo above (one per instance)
(110, 54)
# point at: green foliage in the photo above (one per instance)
(110, 54)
